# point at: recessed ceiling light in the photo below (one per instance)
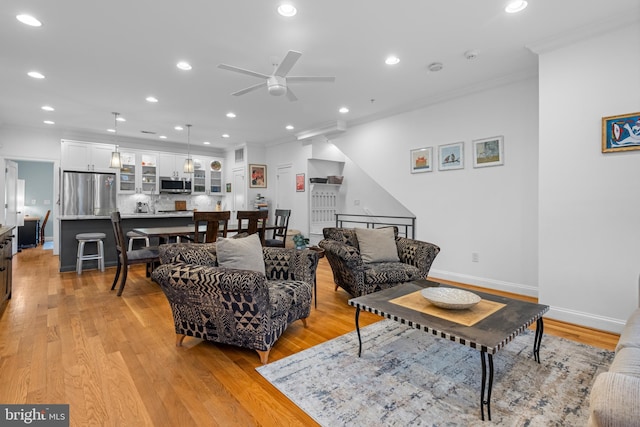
(29, 20)
(183, 65)
(47, 108)
(343, 110)
(392, 60)
(49, 122)
(162, 137)
(225, 135)
(111, 130)
(516, 6)
(435, 66)
(206, 143)
(121, 119)
(289, 127)
(151, 99)
(287, 10)
(35, 75)
(231, 115)
(178, 127)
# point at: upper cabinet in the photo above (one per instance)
(172, 165)
(207, 176)
(139, 172)
(83, 156)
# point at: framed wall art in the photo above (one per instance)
(451, 156)
(258, 176)
(299, 182)
(488, 152)
(422, 160)
(228, 187)
(621, 133)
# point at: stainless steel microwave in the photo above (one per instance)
(174, 185)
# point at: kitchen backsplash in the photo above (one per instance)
(127, 203)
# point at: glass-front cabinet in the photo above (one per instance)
(138, 173)
(215, 181)
(199, 184)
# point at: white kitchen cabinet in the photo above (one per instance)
(172, 165)
(139, 172)
(200, 175)
(215, 177)
(85, 156)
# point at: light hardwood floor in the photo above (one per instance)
(66, 338)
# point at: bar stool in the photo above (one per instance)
(83, 238)
(132, 235)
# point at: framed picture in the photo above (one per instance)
(228, 187)
(421, 160)
(451, 156)
(299, 182)
(488, 152)
(258, 176)
(621, 133)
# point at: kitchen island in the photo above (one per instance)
(72, 225)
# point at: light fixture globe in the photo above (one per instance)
(277, 86)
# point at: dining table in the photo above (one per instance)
(166, 233)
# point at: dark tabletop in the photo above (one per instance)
(489, 334)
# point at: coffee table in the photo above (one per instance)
(488, 335)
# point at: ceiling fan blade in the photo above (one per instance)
(311, 79)
(242, 71)
(249, 89)
(291, 96)
(287, 63)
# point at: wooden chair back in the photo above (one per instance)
(280, 233)
(213, 220)
(252, 222)
(44, 224)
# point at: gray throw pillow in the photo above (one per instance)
(377, 245)
(241, 254)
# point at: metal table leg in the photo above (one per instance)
(358, 330)
(538, 340)
(487, 383)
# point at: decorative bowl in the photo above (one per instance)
(454, 299)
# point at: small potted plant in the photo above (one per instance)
(300, 241)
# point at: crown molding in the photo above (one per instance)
(607, 25)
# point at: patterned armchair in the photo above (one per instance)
(238, 307)
(358, 278)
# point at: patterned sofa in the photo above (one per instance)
(358, 277)
(239, 307)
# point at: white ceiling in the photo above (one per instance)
(105, 56)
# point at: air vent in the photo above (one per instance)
(148, 132)
(239, 155)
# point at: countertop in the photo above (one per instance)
(129, 215)
(6, 228)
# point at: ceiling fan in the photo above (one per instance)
(276, 83)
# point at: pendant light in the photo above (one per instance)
(188, 163)
(115, 155)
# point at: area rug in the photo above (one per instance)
(408, 377)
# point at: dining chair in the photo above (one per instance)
(146, 255)
(42, 227)
(251, 222)
(279, 233)
(213, 220)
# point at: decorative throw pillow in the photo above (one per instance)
(377, 245)
(242, 254)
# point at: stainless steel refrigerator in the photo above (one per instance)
(88, 193)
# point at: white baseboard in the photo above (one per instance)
(588, 320)
(516, 288)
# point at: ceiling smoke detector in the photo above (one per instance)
(435, 66)
(471, 54)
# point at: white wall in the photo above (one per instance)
(491, 211)
(589, 201)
